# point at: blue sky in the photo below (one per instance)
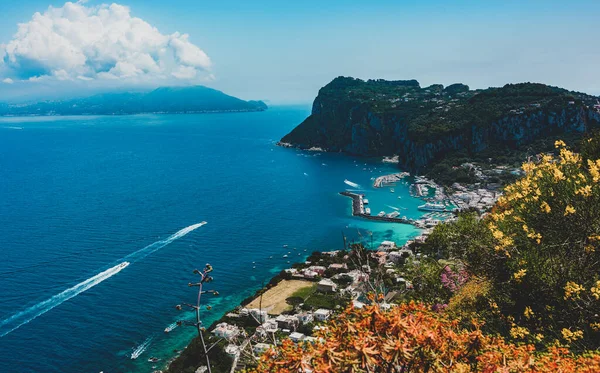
(285, 51)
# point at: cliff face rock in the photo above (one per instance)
(378, 118)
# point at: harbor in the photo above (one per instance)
(358, 209)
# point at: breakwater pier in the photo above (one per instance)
(358, 209)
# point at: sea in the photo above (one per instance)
(102, 224)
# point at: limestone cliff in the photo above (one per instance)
(381, 118)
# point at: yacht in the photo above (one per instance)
(431, 206)
(382, 213)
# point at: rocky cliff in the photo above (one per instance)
(382, 118)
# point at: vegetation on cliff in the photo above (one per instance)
(425, 125)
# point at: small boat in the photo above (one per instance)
(170, 327)
(392, 190)
(285, 245)
(381, 213)
(285, 256)
(368, 211)
(153, 359)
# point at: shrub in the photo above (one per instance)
(546, 231)
(411, 339)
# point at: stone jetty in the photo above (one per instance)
(358, 210)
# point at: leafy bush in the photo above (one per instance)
(412, 339)
(546, 231)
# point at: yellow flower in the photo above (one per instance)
(519, 332)
(519, 274)
(589, 248)
(596, 290)
(572, 290)
(528, 312)
(539, 337)
(559, 144)
(585, 191)
(569, 210)
(528, 167)
(570, 336)
(595, 326)
(594, 167)
(545, 207)
(558, 174)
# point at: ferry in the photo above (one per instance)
(430, 206)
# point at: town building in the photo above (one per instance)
(327, 286)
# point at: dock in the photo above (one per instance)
(359, 210)
(389, 179)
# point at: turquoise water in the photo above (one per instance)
(79, 195)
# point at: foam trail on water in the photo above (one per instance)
(141, 348)
(392, 207)
(19, 319)
(353, 185)
(16, 321)
(144, 252)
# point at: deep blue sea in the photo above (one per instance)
(80, 195)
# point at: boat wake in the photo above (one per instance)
(21, 318)
(141, 348)
(16, 321)
(353, 185)
(170, 327)
(392, 207)
(144, 252)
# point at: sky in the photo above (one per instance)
(284, 51)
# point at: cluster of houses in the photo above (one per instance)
(269, 325)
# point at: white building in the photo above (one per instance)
(260, 316)
(297, 337)
(305, 317)
(327, 286)
(387, 246)
(322, 314)
(259, 348)
(227, 331)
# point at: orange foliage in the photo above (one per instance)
(410, 338)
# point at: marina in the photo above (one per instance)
(389, 179)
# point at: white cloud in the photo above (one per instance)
(98, 43)
(8, 81)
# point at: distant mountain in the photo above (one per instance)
(425, 125)
(197, 99)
